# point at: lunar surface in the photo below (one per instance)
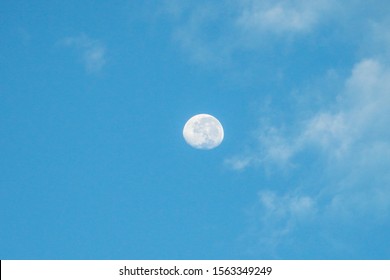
(203, 131)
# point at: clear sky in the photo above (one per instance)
(94, 96)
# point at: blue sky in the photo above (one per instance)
(94, 96)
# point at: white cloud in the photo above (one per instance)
(278, 216)
(194, 31)
(328, 131)
(238, 163)
(361, 116)
(349, 144)
(210, 32)
(273, 149)
(288, 206)
(92, 51)
(283, 16)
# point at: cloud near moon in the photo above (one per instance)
(203, 131)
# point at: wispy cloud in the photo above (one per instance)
(211, 35)
(288, 207)
(283, 16)
(92, 51)
(349, 145)
(275, 219)
(360, 115)
(194, 31)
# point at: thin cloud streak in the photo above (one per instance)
(93, 52)
(361, 115)
(283, 17)
(240, 25)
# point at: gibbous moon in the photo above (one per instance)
(203, 131)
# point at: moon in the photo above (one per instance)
(203, 131)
